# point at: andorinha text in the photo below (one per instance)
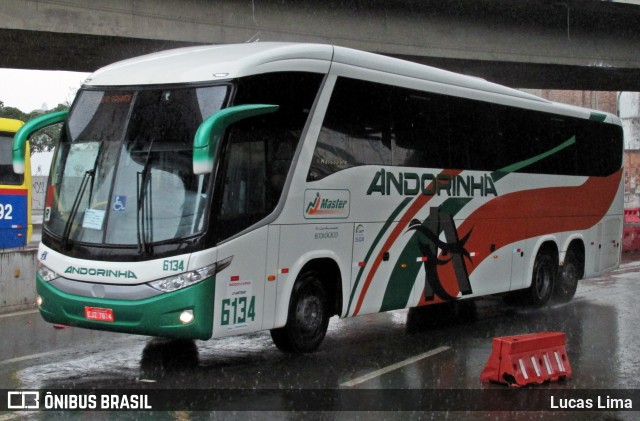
(412, 184)
(101, 272)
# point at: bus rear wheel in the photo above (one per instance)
(543, 279)
(567, 282)
(308, 317)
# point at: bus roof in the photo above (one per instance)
(224, 62)
(10, 125)
(216, 62)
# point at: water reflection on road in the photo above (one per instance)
(600, 326)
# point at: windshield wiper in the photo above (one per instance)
(88, 175)
(144, 217)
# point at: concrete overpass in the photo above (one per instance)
(553, 44)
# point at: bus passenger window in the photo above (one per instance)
(355, 130)
(420, 130)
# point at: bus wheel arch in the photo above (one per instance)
(543, 272)
(315, 297)
(329, 273)
(570, 272)
(543, 275)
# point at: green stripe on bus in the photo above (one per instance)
(381, 233)
(598, 117)
(497, 175)
(401, 282)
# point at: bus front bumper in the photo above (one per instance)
(154, 316)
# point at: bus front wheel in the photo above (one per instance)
(307, 319)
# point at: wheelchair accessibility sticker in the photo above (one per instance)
(119, 203)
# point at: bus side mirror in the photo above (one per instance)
(212, 128)
(32, 126)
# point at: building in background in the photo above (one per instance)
(629, 103)
(597, 100)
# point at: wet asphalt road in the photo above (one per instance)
(601, 324)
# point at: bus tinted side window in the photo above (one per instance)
(373, 124)
(530, 134)
(356, 129)
(421, 129)
(600, 148)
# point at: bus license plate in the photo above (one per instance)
(100, 314)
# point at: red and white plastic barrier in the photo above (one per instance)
(631, 231)
(528, 359)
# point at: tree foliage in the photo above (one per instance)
(42, 140)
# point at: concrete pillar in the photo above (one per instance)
(17, 280)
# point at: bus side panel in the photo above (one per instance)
(271, 286)
(611, 243)
(303, 243)
(613, 225)
(240, 288)
(378, 264)
(14, 211)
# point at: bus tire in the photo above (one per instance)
(567, 281)
(543, 279)
(308, 316)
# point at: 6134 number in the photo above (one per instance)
(172, 265)
(237, 310)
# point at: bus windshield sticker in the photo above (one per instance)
(93, 219)
(119, 203)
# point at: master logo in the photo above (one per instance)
(326, 204)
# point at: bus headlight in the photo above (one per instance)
(46, 274)
(176, 282)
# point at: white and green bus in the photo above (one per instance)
(217, 190)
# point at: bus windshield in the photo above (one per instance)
(123, 171)
(7, 176)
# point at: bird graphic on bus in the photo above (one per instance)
(453, 250)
